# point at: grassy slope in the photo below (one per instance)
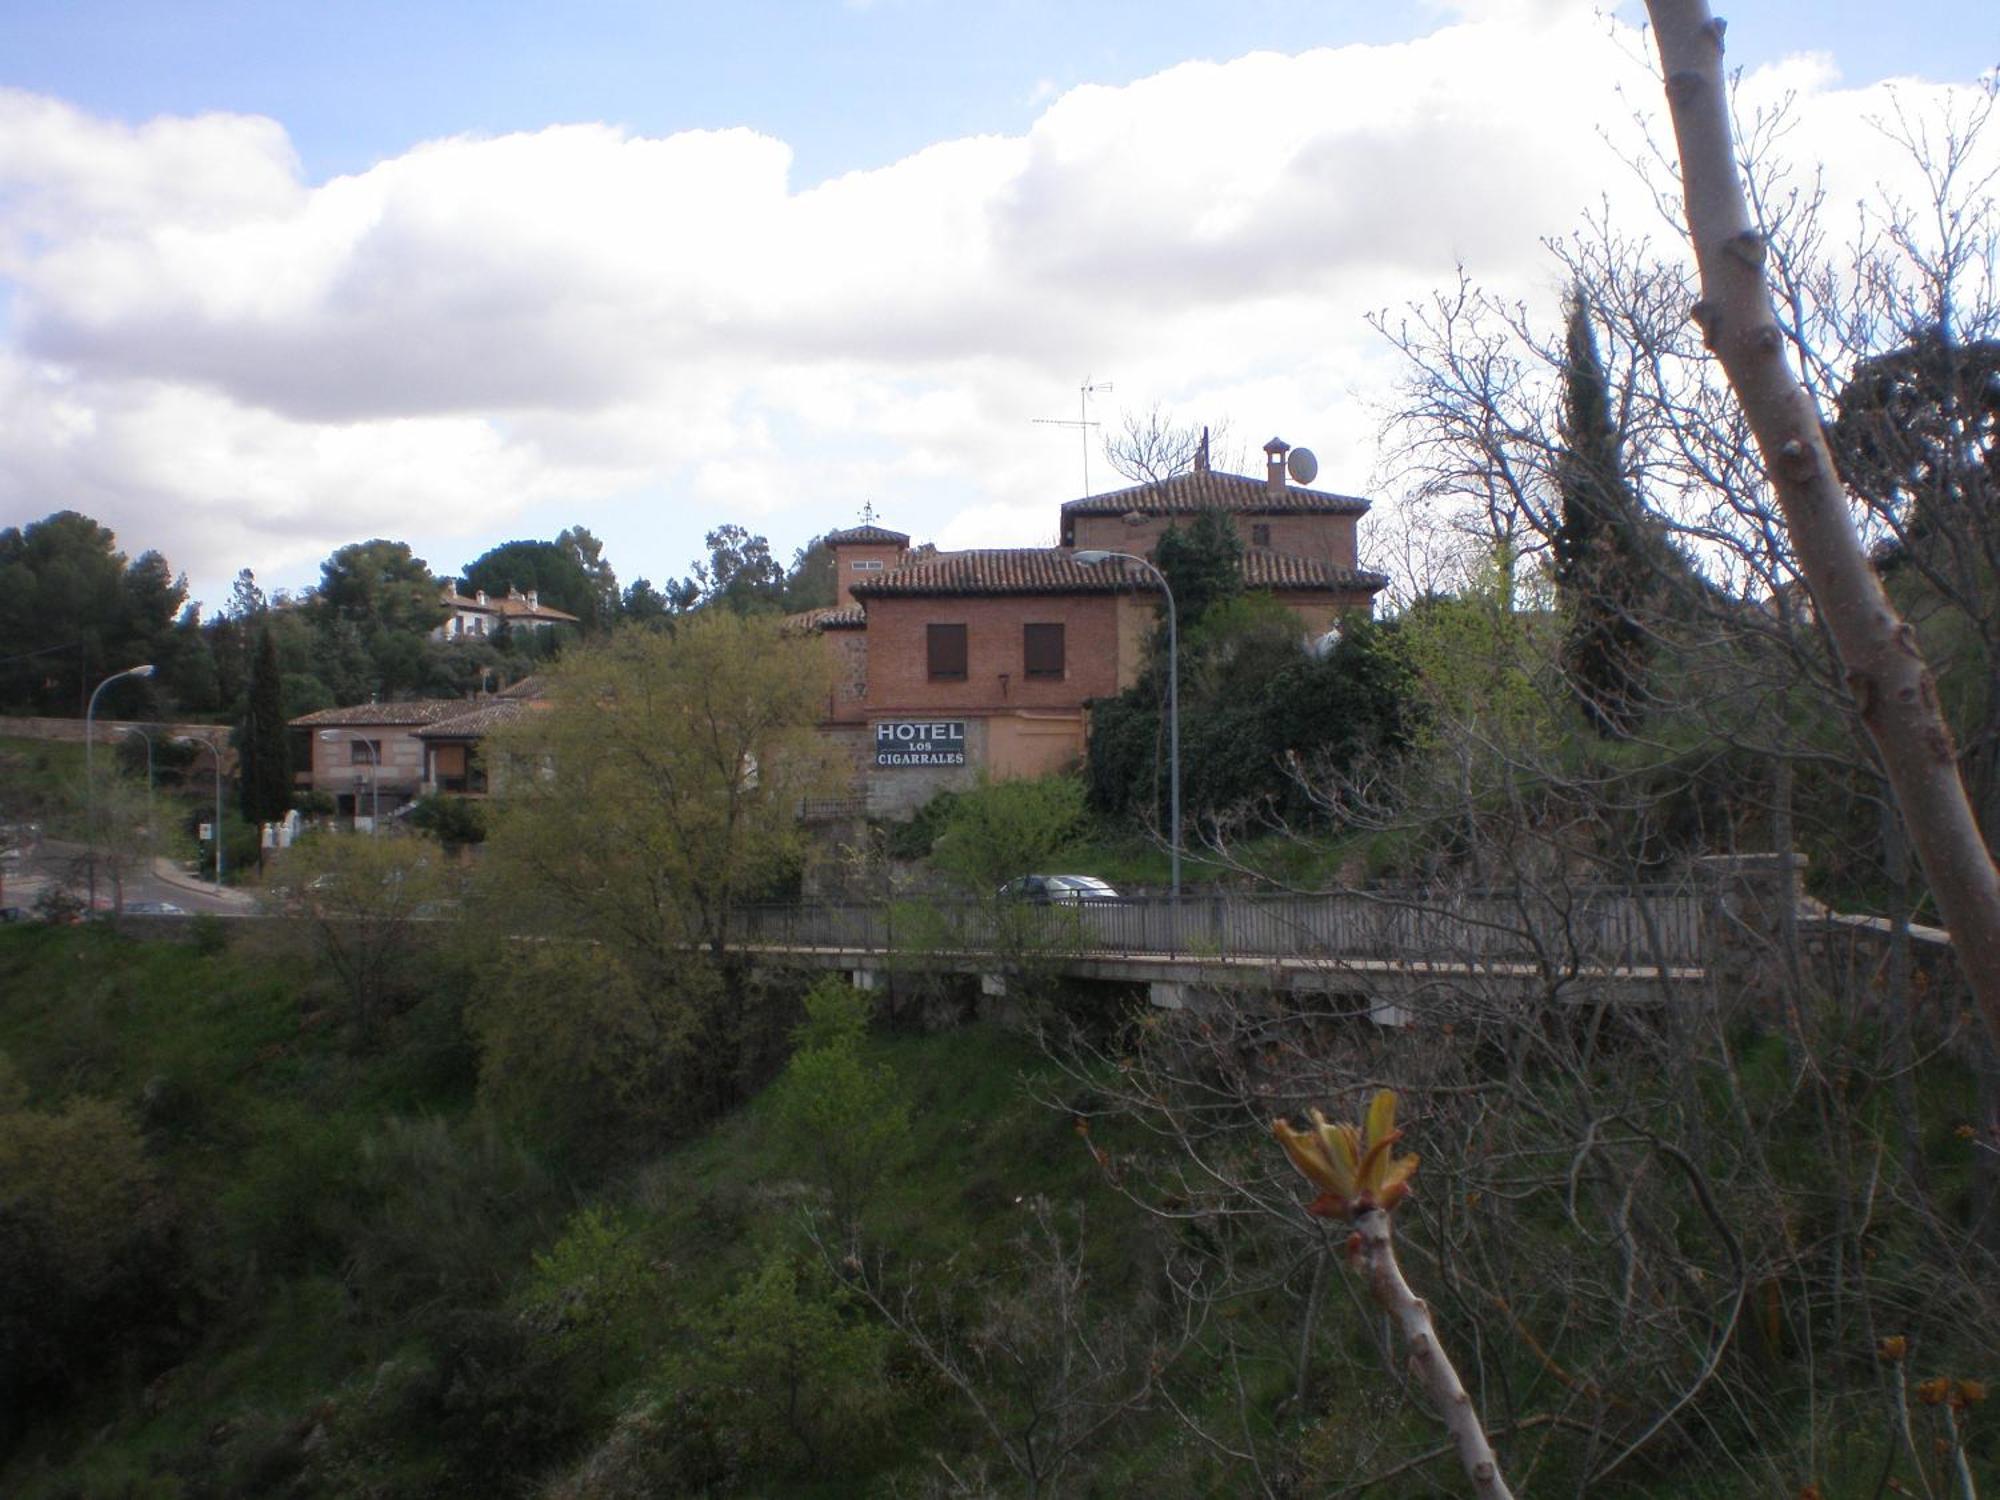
(327, 1229)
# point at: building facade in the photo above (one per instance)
(482, 616)
(374, 759)
(952, 665)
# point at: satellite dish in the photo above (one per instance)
(1302, 466)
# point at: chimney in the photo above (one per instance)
(1274, 462)
(534, 598)
(1201, 454)
(480, 598)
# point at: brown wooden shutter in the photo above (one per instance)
(947, 652)
(1042, 650)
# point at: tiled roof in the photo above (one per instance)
(866, 536)
(848, 617)
(1202, 489)
(534, 685)
(1010, 570)
(513, 606)
(1265, 569)
(386, 715)
(1055, 570)
(476, 722)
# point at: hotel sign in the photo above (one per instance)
(920, 742)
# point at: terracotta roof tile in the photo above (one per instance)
(1055, 570)
(387, 715)
(848, 617)
(871, 535)
(1239, 494)
(1266, 569)
(513, 606)
(1008, 570)
(477, 722)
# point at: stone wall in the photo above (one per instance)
(105, 731)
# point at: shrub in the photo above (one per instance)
(90, 1263)
(838, 1115)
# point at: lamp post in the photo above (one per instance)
(215, 754)
(1090, 557)
(374, 773)
(89, 783)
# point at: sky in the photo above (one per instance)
(276, 276)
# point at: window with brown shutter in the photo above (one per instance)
(1260, 534)
(947, 652)
(1042, 650)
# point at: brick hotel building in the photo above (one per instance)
(953, 663)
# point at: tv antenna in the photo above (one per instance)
(1082, 422)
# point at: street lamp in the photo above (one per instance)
(215, 754)
(374, 773)
(89, 784)
(1090, 557)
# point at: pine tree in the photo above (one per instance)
(265, 752)
(1603, 575)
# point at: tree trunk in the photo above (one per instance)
(1892, 687)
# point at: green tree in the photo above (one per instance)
(88, 1265)
(799, 1366)
(374, 608)
(549, 568)
(1604, 578)
(1203, 564)
(839, 1114)
(634, 819)
(264, 750)
(588, 553)
(1001, 829)
(642, 604)
(740, 574)
(379, 584)
(810, 582)
(1917, 438)
(357, 907)
(73, 611)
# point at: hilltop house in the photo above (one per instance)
(482, 616)
(948, 664)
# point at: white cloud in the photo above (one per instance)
(653, 336)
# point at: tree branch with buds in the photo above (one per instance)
(1361, 1179)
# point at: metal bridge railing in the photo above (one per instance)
(1598, 929)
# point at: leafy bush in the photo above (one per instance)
(1001, 829)
(90, 1262)
(455, 822)
(841, 1117)
(791, 1367)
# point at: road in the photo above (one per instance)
(25, 875)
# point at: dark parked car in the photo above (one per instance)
(1068, 889)
(154, 909)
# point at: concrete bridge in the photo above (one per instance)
(1394, 947)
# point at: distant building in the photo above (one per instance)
(953, 663)
(481, 616)
(386, 755)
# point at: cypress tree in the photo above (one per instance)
(1203, 564)
(1603, 575)
(265, 752)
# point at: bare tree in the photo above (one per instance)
(1151, 445)
(1895, 693)
(1043, 1364)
